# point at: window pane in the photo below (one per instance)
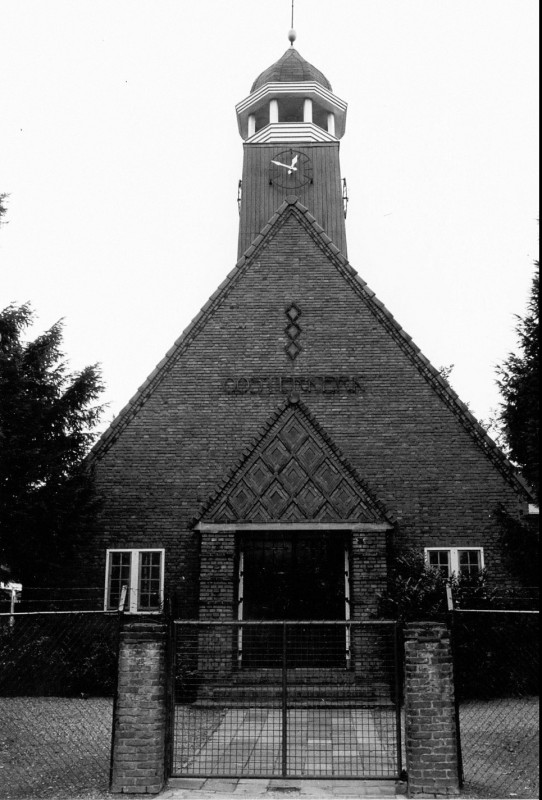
(470, 562)
(149, 581)
(440, 559)
(119, 575)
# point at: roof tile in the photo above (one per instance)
(290, 68)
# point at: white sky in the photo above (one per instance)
(119, 148)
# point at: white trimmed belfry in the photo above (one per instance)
(292, 100)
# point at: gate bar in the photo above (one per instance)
(398, 699)
(492, 611)
(253, 622)
(284, 705)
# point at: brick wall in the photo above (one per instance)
(185, 434)
(368, 569)
(218, 582)
(431, 745)
(139, 725)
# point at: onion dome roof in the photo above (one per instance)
(291, 68)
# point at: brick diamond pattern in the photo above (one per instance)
(344, 498)
(327, 477)
(292, 475)
(310, 500)
(276, 456)
(293, 435)
(275, 500)
(241, 499)
(292, 331)
(293, 312)
(259, 476)
(309, 456)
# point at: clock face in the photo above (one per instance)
(290, 169)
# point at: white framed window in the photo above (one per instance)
(142, 572)
(456, 560)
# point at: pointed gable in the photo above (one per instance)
(292, 210)
(293, 473)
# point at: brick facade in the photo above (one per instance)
(217, 581)
(390, 418)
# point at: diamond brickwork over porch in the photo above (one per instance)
(294, 474)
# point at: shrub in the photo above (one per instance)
(417, 591)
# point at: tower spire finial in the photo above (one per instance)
(291, 33)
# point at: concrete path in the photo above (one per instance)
(259, 789)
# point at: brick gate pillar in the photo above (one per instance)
(140, 718)
(431, 743)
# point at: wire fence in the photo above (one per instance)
(487, 597)
(57, 685)
(47, 598)
(496, 666)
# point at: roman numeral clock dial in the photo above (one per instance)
(290, 170)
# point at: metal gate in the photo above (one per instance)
(287, 699)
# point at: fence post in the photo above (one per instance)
(139, 725)
(431, 748)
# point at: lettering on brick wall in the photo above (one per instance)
(300, 384)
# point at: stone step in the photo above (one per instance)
(303, 695)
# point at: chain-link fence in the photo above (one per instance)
(496, 664)
(57, 684)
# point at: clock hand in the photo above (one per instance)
(284, 165)
(293, 164)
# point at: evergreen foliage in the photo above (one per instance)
(3, 208)
(47, 416)
(519, 383)
(417, 591)
(519, 540)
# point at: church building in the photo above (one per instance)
(294, 436)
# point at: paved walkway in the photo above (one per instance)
(259, 788)
(320, 742)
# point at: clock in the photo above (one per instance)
(290, 170)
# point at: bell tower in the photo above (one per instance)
(291, 123)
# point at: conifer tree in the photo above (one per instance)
(3, 208)
(519, 383)
(47, 416)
